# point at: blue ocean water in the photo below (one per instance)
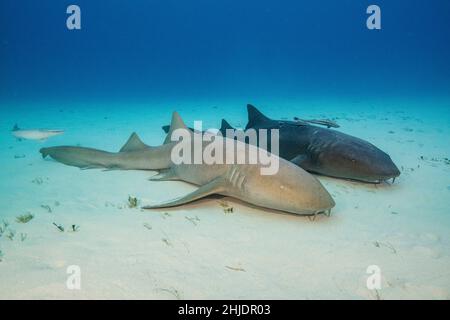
(134, 62)
(171, 51)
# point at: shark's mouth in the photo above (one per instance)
(313, 216)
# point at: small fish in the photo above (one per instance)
(34, 134)
(323, 122)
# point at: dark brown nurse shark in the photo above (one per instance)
(324, 151)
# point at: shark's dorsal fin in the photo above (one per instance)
(254, 116)
(224, 126)
(176, 123)
(134, 143)
(166, 128)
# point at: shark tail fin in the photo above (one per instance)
(15, 128)
(255, 116)
(134, 143)
(176, 123)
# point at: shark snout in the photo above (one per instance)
(44, 152)
(390, 172)
(318, 198)
(325, 202)
(368, 164)
(383, 170)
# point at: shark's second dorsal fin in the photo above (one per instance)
(254, 116)
(166, 128)
(225, 125)
(134, 143)
(176, 123)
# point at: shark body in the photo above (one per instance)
(326, 151)
(291, 189)
(322, 150)
(34, 134)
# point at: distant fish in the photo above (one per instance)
(34, 134)
(323, 122)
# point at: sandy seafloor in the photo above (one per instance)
(199, 252)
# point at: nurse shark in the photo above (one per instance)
(291, 189)
(34, 134)
(323, 151)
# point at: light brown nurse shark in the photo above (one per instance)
(291, 189)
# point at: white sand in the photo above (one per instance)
(250, 253)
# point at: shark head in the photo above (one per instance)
(291, 189)
(331, 152)
(353, 159)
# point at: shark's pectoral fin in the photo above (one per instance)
(299, 160)
(91, 166)
(305, 162)
(165, 175)
(215, 186)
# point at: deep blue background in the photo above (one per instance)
(166, 49)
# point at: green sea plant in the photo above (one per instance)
(166, 241)
(228, 210)
(11, 234)
(147, 226)
(235, 268)
(24, 218)
(75, 228)
(3, 227)
(60, 227)
(386, 244)
(193, 220)
(132, 202)
(174, 292)
(226, 207)
(47, 207)
(165, 215)
(38, 181)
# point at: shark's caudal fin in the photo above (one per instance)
(134, 143)
(15, 128)
(176, 123)
(254, 116)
